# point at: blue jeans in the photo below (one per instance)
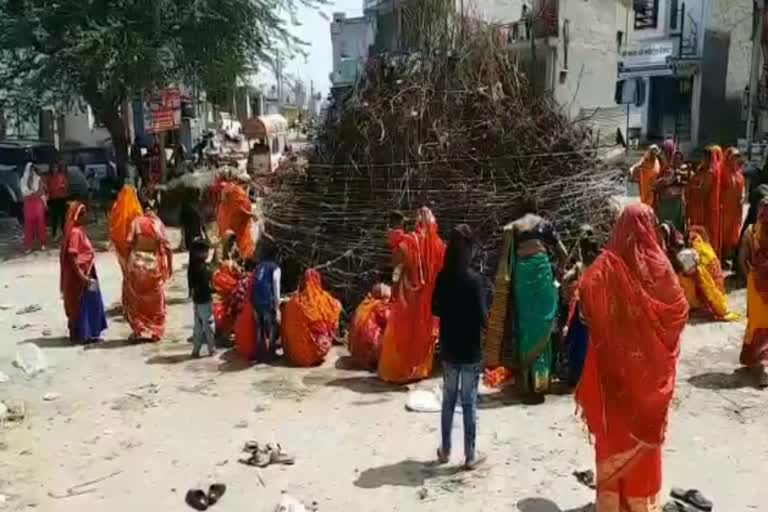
(203, 329)
(266, 333)
(466, 377)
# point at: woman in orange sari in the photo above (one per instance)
(368, 324)
(646, 171)
(754, 259)
(636, 312)
(408, 342)
(79, 282)
(148, 268)
(731, 202)
(702, 197)
(235, 213)
(310, 322)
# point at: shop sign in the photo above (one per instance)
(650, 58)
(162, 111)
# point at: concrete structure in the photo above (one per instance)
(78, 126)
(351, 39)
(569, 48)
(692, 59)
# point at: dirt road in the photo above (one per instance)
(149, 424)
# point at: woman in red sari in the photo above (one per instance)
(79, 282)
(731, 202)
(702, 197)
(636, 312)
(408, 342)
(148, 268)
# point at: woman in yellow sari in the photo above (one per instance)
(754, 260)
(703, 280)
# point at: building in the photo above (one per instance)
(569, 48)
(351, 39)
(684, 70)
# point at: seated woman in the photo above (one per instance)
(702, 277)
(310, 322)
(230, 284)
(368, 325)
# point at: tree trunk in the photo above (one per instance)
(110, 116)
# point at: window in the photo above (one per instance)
(646, 14)
(674, 14)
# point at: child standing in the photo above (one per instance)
(199, 276)
(265, 300)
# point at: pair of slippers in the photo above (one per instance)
(199, 500)
(688, 500)
(262, 456)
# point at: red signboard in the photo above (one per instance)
(163, 111)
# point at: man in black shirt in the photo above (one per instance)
(199, 276)
(459, 303)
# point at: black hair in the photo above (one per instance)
(396, 218)
(458, 254)
(529, 204)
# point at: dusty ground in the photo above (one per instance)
(156, 424)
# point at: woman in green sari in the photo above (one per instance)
(536, 298)
(526, 302)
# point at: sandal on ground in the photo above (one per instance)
(197, 499)
(692, 497)
(442, 457)
(676, 506)
(278, 456)
(586, 478)
(251, 446)
(479, 460)
(215, 492)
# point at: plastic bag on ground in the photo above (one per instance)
(289, 504)
(30, 359)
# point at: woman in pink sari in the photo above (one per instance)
(148, 268)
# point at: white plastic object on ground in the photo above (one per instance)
(30, 359)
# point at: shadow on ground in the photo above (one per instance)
(232, 362)
(407, 473)
(110, 344)
(61, 342)
(365, 385)
(545, 505)
(739, 379)
(170, 358)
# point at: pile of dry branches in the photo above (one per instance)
(458, 128)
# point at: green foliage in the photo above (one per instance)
(107, 51)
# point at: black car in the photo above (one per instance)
(14, 155)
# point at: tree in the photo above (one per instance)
(107, 52)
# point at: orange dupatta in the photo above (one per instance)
(234, 213)
(310, 322)
(125, 210)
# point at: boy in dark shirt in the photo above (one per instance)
(459, 303)
(199, 276)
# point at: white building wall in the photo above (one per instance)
(81, 128)
(351, 39)
(493, 11)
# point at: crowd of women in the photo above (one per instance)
(621, 306)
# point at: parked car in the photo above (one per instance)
(14, 155)
(96, 163)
